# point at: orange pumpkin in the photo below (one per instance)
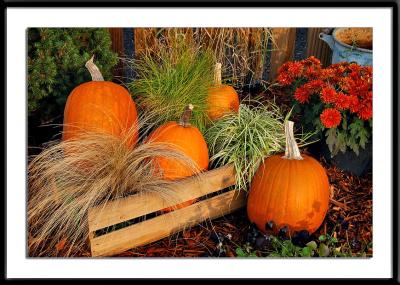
(100, 106)
(186, 138)
(222, 99)
(290, 191)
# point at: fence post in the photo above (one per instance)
(283, 43)
(117, 46)
(317, 47)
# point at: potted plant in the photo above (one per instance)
(336, 102)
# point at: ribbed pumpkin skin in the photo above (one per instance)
(222, 100)
(293, 193)
(100, 106)
(187, 139)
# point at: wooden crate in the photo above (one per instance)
(153, 229)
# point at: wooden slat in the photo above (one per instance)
(122, 210)
(283, 49)
(167, 224)
(317, 47)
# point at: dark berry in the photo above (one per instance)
(263, 242)
(283, 232)
(270, 225)
(355, 244)
(216, 237)
(301, 238)
(340, 219)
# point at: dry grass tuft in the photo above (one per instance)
(69, 177)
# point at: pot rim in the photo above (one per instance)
(346, 45)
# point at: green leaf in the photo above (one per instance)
(312, 245)
(306, 251)
(240, 253)
(344, 122)
(331, 140)
(341, 141)
(316, 109)
(363, 137)
(322, 238)
(323, 250)
(333, 240)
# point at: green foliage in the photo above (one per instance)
(172, 77)
(354, 136)
(246, 138)
(245, 252)
(325, 246)
(56, 64)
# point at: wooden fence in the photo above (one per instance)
(284, 40)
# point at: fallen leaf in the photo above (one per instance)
(61, 244)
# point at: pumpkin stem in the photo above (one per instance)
(218, 74)
(292, 150)
(94, 70)
(187, 113)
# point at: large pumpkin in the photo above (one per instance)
(100, 106)
(222, 99)
(290, 191)
(186, 138)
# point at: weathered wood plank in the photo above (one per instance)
(117, 46)
(317, 47)
(283, 49)
(122, 210)
(167, 224)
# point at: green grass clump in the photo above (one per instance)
(172, 77)
(246, 138)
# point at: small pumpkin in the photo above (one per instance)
(222, 99)
(186, 138)
(290, 191)
(100, 106)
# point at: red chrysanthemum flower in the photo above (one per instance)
(313, 60)
(328, 95)
(345, 83)
(342, 101)
(330, 118)
(295, 69)
(354, 103)
(316, 84)
(302, 94)
(364, 113)
(285, 79)
(354, 67)
(328, 73)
